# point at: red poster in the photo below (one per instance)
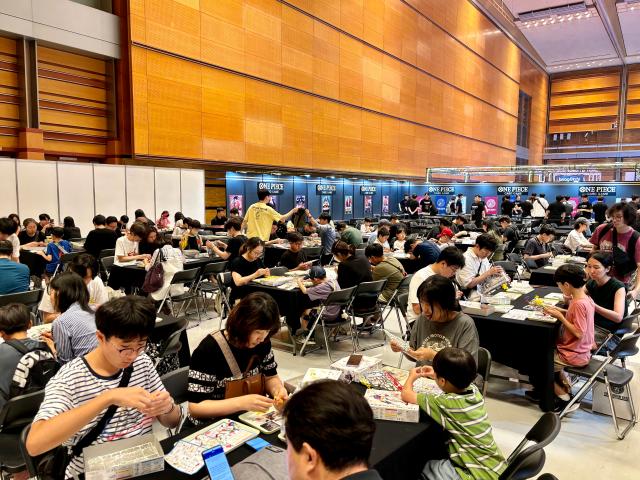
(491, 205)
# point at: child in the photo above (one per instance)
(460, 409)
(315, 295)
(127, 245)
(366, 226)
(191, 239)
(383, 239)
(295, 258)
(55, 250)
(577, 333)
(401, 236)
(77, 396)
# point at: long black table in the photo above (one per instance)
(525, 345)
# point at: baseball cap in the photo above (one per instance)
(446, 232)
(316, 272)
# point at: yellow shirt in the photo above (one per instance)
(259, 218)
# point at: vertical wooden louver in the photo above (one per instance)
(9, 95)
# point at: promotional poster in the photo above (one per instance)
(491, 205)
(348, 204)
(326, 203)
(301, 201)
(236, 201)
(385, 204)
(368, 204)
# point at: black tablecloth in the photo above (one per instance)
(542, 276)
(289, 301)
(34, 261)
(525, 345)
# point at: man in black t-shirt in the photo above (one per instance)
(459, 209)
(404, 204)
(231, 249)
(101, 238)
(426, 204)
(220, 218)
(527, 206)
(600, 210)
(584, 208)
(477, 210)
(506, 207)
(556, 211)
(294, 258)
(509, 233)
(537, 248)
(413, 206)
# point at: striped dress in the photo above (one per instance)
(472, 449)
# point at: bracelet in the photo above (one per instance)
(173, 405)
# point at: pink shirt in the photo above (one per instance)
(605, 243)
(573, 350)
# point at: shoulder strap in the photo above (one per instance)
(19, 346)
(228, 354)
(95, 432)
(631, 246)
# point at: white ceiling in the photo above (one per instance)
(575, 35)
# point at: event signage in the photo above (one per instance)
(368, 189)
(509, 189)
(325, 189)
(598, 189)
(274, 188)
(441, 190)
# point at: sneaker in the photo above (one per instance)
(561, 405)
(532, 395)
(300, 338)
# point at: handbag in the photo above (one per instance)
(154, 279)
(53, 464)
(624, 261)
(241, 384)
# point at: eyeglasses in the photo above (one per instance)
(125, 352)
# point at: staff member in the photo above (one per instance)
(260, 217)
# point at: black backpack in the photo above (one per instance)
(34, 370)
(623, 261)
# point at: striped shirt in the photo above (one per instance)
(76, 383)
(74, 333)
(472, 449)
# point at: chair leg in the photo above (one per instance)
(614, 415)
(326, 342)
(311, 332)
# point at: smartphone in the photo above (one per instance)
(354, 360)
(217, 464)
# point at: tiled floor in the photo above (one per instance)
(586, 447)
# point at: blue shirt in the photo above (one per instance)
(53, 249)
(14, 277)
(327, 237)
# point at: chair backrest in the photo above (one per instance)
(172, 345)
(19, 411)
(312, 252)
(359, 252)
(177, 383)
(30, 298)
(626, 325)
(278, 271)
(214, 268)
(404, 283)
(68, 257)
(107, 263)
(484, 367)
(107, 252)
(340, 297)
(225, 280)
(370, 289)
(185, 276)
(29, 461)
(525, 465)
(627, 346)
(514, 257)
(403, 302)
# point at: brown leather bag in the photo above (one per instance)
(241, 383)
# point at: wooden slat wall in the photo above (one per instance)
(73, 103)
(377, 86)
(535, 84)
(633, 99)
(9, 95)
(584, 101)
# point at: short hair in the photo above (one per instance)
(461, 217)
(543, 195)
(487, 241)
(505, 219)
(126, 318)
(6, 248)
(367, 219)
(634, 197)
(341, 226)
(111, 219)
(124, 218)
(601, 199)
(82, 262)
(178, 216)
(383, 232)
(57, 232)
(70, 289)
(570, 273)
(452, 256)
(455, 365)
(68, 222)
(559, 198)
(427, 253)
(628, 212)
(445, 222)
(234, 211)
(294, 237)
(580, 221)
(220, 209)
(28, 221)
(414, 195)
(605, 258)
(195, 224)
(325, 216)
(393, 217)
(374, 250)
(7, 226)
(99, 220)
(256, 311)
(14, 317)
(400, 228)
(233, 223)
(547, 230)
(44, 216)
(343, 248)
(584, 195)
(251, 244)
(409, 242)
(335, 420)
(139, 213)
(138, 229)
(440, 290)
(262, 194)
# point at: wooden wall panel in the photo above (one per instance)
(535, 83)
(632, 120)
(9, 95)
(74, 113)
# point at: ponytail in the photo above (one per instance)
(251, 244)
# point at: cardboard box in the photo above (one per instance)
(477, 308)
(314, 374)
(352, 373)
(388, 405)
(127, 458)
(620, 400)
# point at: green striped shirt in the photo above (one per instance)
(472, 449)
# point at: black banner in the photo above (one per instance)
(274, 188)
(368, 189)
(325, 189)
(597, 190)
(509, 189)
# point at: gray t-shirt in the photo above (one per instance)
(460, 333)
(9, 358)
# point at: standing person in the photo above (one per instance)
(584, 208)
(388, 268)
(426, 204)
(600, 211)
(527, 207)
(537, 248)
(451, 206)
(70, 229)
(568, 209)
(404, 204)
(260, 216)
(14, 277)
(8, 229)
(556, 211)
(413, 206)
(220, 218)
(127, 245)
(349, 234)
(298, 220)
(30, 236)
(477, 268)
(459, 206)
(624, 242)
(478, 210)
(507, 206)
(327, 235)
(539, 210)
(100, 238)
(164, 222)
(230, 250)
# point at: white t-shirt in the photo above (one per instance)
(13, 238)
(418, 278)
(97, 296)
(124, 248)
(575, 240)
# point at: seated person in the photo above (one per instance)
(382, 238)
(164, 222)
(14, 277)
(247, 267)
(460, 408)
(322, 287)
(330, 430)
(477, 268)
(249, 327)
(230, 250)
(441, 323)
(510, 235)
(70, 229)
(150, 242)
(73, 333)
(457, 226)
(435, 231)
(100, 238)
(349, 234)
(295, 258)
(81, 391)
(353, 269)
(576, 239)
(127, 245)
(142, 218)
(424, 253)
(220, 218)
(172, 262)
(327, 234)
(489, 228)
(179, 225)
(112, 223)
(445, 238)
(15, 320)
(400, 238)
(8, 231)
(537, 248)
(122, 223)
(366, 226)
(45, 223)
(191, 240)
(576, 338)
(55, 250)
(608, 294)
(386, 268)
(309, 230)
(30, 236)
(374, 234)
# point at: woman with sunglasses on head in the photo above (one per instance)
(247, 267)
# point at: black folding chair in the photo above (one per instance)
(365, 304)
(107, 252)
(105, 267)
(626, 326)
(177, 384)
(484, 367)
(312, 253)
(30, 298)
(225, 280)
(278, 271)
(510, 268)
(188, 279)
(392, 304)
(64, 262)
(208, 284)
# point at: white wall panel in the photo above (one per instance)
(8, 189)
(75, 189)
(140, 190)
(167, 192)
(192, 193)
(110, 191)
(37, 189)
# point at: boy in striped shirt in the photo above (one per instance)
(473, 453)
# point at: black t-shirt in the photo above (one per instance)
(600, 211)
(23, 237)
(584, 206)
(535, 247)
(556, 209)
(511, 235)
(353, 271)
(291, 259)
(244, 268)
(148, 248)
(403, 204)
(476, 210)
(458, 206)
(425, 205)
(218, 221)
(527, 206)
(412, 206)
(506, 207)
(605, 297)
(71, 232)
(234, 245)
(100, 239)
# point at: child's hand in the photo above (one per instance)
(425, 371)
(552, 311)
(395, 347)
